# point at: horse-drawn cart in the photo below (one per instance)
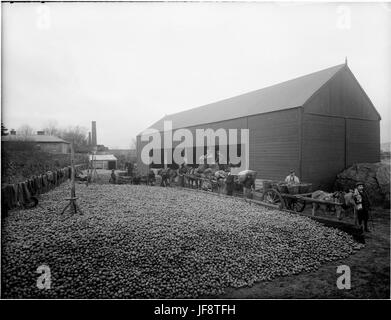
(293, 196)
(287, 196)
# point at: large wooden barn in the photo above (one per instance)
(317, 124)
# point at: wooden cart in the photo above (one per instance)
(293, 197)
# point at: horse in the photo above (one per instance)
(348, 203)
(326, 196)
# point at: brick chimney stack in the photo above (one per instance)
(94, 140)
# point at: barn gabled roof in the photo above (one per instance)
(285, 95)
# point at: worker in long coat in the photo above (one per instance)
(362, 206)
(248, 186)
(229, 184)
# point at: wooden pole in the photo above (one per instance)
(73, 189)
(94, 173)
(72, 171)
(72, 200)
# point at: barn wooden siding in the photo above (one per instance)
(340, 127)
(323, 150)
(141, 167)
(342, 96)
(274, 143)
(362, 141)
(240, 123)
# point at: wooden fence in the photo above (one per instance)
(23, 194)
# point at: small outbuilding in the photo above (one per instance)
(103, 161)
(41, 141)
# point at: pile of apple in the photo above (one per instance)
(152, 242)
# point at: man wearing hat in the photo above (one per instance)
(292, 178)
(362, 205)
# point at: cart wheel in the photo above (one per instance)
(274, 197)
(298, 205)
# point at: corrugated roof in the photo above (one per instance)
(289, 94)
(103, 157)
(34, 138)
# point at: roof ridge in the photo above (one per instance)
(253, 91)
(291, 93)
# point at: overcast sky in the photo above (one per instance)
(125, 65)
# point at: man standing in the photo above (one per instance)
(292, 178)
(182, 173)
(229, 184)
(362, 206)
(151, 178)
(248, 186)
(113, 178)
(135, 175)
(129, 167)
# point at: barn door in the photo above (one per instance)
(362, 141)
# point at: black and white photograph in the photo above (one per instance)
(194, 154)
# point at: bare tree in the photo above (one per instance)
(51, 128)
(75, 134)
(133, 143)
(25, 131)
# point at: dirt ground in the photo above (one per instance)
(370, 273)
